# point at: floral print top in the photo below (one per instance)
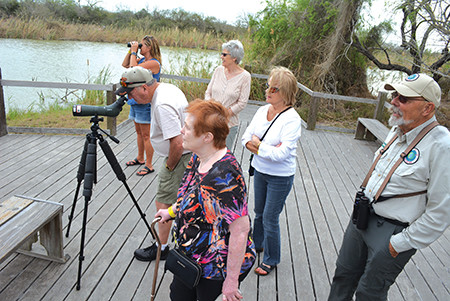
(206, 205)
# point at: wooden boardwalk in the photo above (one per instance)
(331, 166)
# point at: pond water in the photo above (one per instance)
(75, 62)
(82, 62)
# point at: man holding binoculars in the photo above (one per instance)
(404, 202)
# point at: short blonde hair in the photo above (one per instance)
(286, 81)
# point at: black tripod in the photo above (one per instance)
(87, 170)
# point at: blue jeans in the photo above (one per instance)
(270, 195)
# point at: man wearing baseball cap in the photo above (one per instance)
(409, 212)
(168, 114)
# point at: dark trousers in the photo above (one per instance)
(206, 290)
(364, 266)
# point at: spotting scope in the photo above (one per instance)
(110, 111)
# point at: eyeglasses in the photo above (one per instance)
(404, 99)
(225, 54)
(272, 90)
(125, 84)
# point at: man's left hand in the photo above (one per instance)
(392, 251)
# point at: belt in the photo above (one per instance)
(389, 220)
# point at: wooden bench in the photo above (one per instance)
(24, 221)
(371, 129)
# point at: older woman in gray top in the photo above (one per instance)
(230, 85)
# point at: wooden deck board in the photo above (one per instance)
(331, 167)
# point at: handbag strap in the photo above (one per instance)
(274, 121)
(418, 138)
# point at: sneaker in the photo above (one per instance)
(149, 253)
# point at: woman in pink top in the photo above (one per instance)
(230, 85)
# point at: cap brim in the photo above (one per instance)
(401, 89)
(122, 91)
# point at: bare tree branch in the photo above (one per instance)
(421, 20)
(370, 56)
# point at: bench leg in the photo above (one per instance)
(370, 136)
(360, 131)
(51, 238)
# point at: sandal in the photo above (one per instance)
(145, 171)
(134, 162)
(264, 269)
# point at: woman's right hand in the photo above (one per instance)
(134, 46)
(251, 147)
(164, 214)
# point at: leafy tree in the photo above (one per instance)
(308, 37)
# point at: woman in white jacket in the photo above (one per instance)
(274, 162)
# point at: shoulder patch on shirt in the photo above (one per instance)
(412, 157)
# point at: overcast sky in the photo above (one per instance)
(226, 10)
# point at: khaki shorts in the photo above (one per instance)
(169, 181)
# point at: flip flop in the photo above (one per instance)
(134, 162)
(264, 270)
(145, 171)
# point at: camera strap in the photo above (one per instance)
(416, 140)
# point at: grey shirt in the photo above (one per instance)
(425, 168)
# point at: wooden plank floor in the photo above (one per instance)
(331, 166)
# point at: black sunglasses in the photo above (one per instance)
(404, 99)
(225, 54)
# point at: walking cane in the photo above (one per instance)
(158, 256)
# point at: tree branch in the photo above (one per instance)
(371, 57)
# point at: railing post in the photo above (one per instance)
(111, 122)
(312, 114)
(382, 97)
(3, 126)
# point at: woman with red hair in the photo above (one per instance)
(212, 225)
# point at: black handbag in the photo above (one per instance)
(251, 169)
(184, 268)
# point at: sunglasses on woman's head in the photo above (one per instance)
(272, 89)
(225, 54)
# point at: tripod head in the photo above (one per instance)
(95, 127)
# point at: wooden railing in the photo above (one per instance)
(380, 102)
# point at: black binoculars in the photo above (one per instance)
(361, 211)
(129, 45)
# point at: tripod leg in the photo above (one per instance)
(89, 177)
(80, 176)
(121, 176)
